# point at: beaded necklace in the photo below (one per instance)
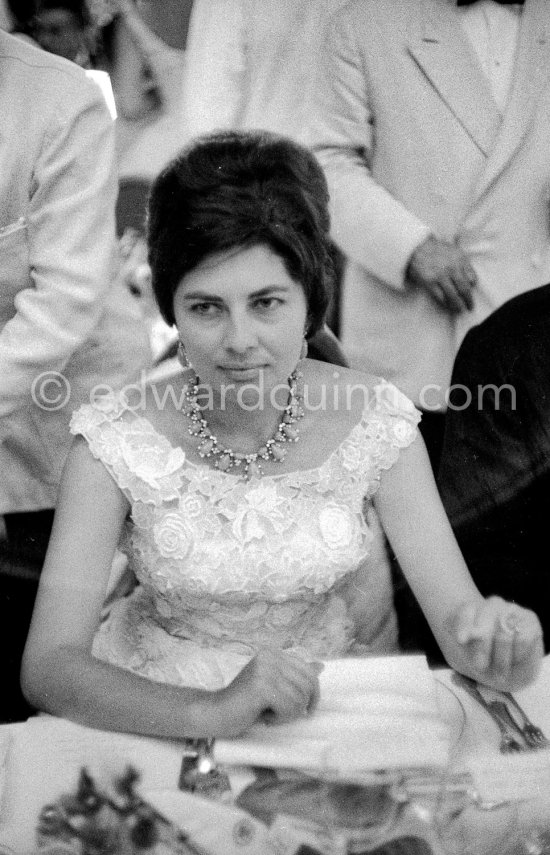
(274, 449)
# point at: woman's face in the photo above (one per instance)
(241, 318)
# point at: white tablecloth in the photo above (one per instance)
(40, 760)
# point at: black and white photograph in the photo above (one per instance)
(274, 427)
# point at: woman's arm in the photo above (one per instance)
(59, 673)
(472, 632)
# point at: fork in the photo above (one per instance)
(501, 711)
(532, 733)
(508, 743)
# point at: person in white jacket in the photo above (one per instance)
(432, 124)
(253, 64)
(65, 324)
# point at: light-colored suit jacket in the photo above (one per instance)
(59, 309)
(253, 64)
(412, 142)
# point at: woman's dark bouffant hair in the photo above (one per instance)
(236, 190)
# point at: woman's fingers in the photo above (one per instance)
(528, 641)
(273, 686)
(288, 703)
(288, 684)
(301, 681)
(528, 649)
(503, 641)
(503, 654)
(478, 628)
(464, 623)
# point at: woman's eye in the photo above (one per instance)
(205, 309)
(268, 303)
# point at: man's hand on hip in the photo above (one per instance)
(444, 270)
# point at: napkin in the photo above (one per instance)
(378, 713)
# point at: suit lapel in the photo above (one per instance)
(531, 72)
(440, 47)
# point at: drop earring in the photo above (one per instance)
(303, 351)
(183, 359)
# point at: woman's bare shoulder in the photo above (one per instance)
(335, 398)
(339, 385)
(339, 375)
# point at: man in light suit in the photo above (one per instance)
(65, 326)
(253, 64)
(433, 126)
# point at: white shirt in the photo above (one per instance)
(493, 31)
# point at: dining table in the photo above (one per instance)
(475, 799)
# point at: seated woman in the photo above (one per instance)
(246, 500)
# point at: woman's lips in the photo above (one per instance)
(243, 372)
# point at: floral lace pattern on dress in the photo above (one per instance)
(235, 564)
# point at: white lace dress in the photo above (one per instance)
(225, 565)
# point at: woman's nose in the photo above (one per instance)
(239, 334)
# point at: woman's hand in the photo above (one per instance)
(501, 642)
(274, 685)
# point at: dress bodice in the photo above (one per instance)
(233, 564)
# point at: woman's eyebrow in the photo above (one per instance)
(201, 295)
(261, 292)
(269, 289)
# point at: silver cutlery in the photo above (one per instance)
(532, 733)
(501, 710)
(508, 741)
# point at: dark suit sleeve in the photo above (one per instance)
(494, 478)
(474, 471)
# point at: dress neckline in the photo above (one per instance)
(237, 477)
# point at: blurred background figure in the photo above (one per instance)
(253, 64)
(144, 52)
(62, 27)
(141, 46)
(136, 53)
(67, 321)
(135, 272)
(432, 121)
(15, 16)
